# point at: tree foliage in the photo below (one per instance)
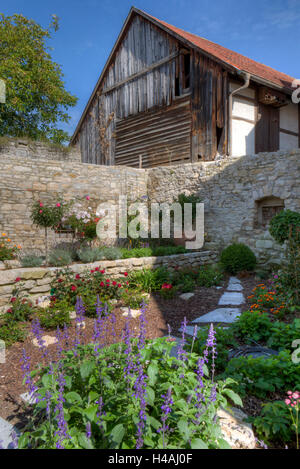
(36, 99)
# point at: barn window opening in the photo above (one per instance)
(186, 71)
(219, 133)
(267, 208)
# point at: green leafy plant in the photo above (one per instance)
(7, 250)
(237, 257)
(284, 225)
(252, 326)
(261, 376)
(31, 260)
(57, 315)
(60, 257)
(91, 390)
(208, 277)
(274, 423)
(11, 332)
(111, 253)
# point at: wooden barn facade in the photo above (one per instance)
(166, 96)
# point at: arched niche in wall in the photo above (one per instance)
(266, 209)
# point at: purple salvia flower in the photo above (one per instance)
(181, 354)
(142, 335)
(88, 430)
(59, 347)
(166, 410)
(61, 421)
(211, 343)
(15, 439)
(38, 333)
(25, 365)
(100, 413)
(140, 389)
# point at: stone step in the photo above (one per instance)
(224, 315)
(232, 299)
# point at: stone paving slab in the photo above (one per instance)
(226, 315)
(186, 296)
(235, 287)
(6, 430)
(232, 298)
(189, 330)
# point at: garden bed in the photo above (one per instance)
(36, 280)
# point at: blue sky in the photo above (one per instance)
(265, 30)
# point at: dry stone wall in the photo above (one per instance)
(230, 189)
(35, 282)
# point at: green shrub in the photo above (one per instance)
(120, 414)
(112, 253)
(283, 335)
(56, 315)
(188, 285)
(225, 340)
(237, 257)
(274, 423)
(59, 257)
(261, 376)
(11, 332)
(283, 224)
(136, 252)
(208, 277)
(31, 260)
(252, 326)
(87, 255)
(149, 280)
(133, 298)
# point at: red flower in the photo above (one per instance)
(119, 285)
(18, 279)
(114, 283)
(102, 271)
(9, 310)
(58, 205)
(166, 286)
(60, 280)
(127, 283)
(126, 274)
(107, 280)
(73, 288)
(92, 271)
(97, 269)
(13, 300)
(77, 276)
(102, 284)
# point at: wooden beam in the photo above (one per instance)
(289, 132)
(141, 72)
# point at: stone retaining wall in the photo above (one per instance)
(230, 190)
(36, 281)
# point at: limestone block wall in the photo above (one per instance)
(24, 148)
(25, 179)
(230, 190)
(36, 281)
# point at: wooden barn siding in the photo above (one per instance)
(160, 137)
(209, 107)
(143, 45)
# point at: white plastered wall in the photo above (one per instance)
(243, 128)
(289, 120)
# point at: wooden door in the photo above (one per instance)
(267, 129)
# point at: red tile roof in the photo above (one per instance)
(239, 61)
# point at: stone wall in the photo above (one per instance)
(24, 148)
(230, 189)
(25, 179)
(36, 281)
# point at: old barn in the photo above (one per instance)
(166, 96)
